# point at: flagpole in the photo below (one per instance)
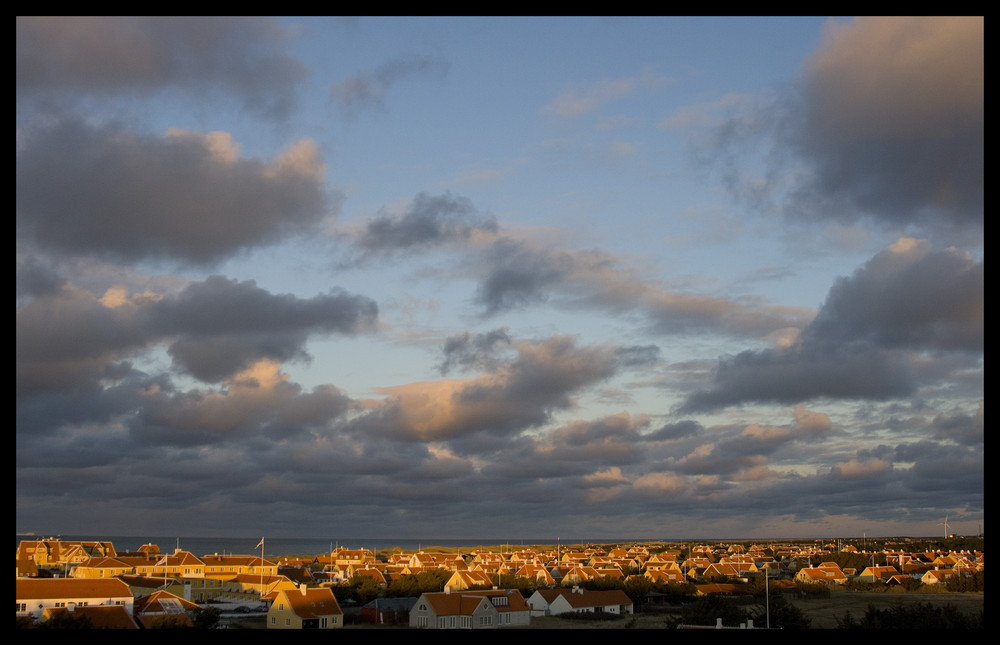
(261, 545)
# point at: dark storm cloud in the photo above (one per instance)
(367, 90)
(908, 298)
(225, 325)
(99, 190)
(430, 220)
(111, 55)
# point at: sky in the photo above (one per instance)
(500, 277)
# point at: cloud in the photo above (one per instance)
(429, 221)
(894, 116)
(474, 351)
(886, 122)
(367, 90)
(516, 396)
(102, 191)
(222, 326)
(862, 345)
(518, 273)
(103, 56)
(73, 339)
(589, 97)
(908, 295)
(257, 401)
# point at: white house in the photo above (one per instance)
(551, 602)
(459, 610)
(35, 595)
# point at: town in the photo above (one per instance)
(62, 583)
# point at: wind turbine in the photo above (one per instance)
(945, 526)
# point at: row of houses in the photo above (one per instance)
(109, 603)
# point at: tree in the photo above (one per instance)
(205, 618)
(914, 616)
(779, 613)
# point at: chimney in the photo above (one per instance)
(718, 623)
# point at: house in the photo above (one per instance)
(98, 617)
(163, 607)
(665, 576)
(462, 580)
(35, 595)
(305, 608)
(511, 606)
(460, 610)
(551, 602)
(53, 554)
(388, 611)
(877, 573)
(936, 576)
(222, 566)
(536, 572)
(824, 574)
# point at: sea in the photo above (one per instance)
(276, 547)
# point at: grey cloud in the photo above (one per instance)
(518, 276)
(114, 55)
(908, 296)
(964, 429)
(67, 337)
(474, 351)
(894, 117)
(271, 412)
(225, 325)
(367, 90)
(679, 430)
(886, 121)
(430, 220)
(518, 395)
(906, 299)
(102, 191)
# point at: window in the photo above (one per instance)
(288, 622)
(273, 620)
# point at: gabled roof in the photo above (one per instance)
(583, 598)
(72, 588)
(456, 604)
(311, 603)
(162, 602)
(512, 599)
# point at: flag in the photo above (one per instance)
(260, 544)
